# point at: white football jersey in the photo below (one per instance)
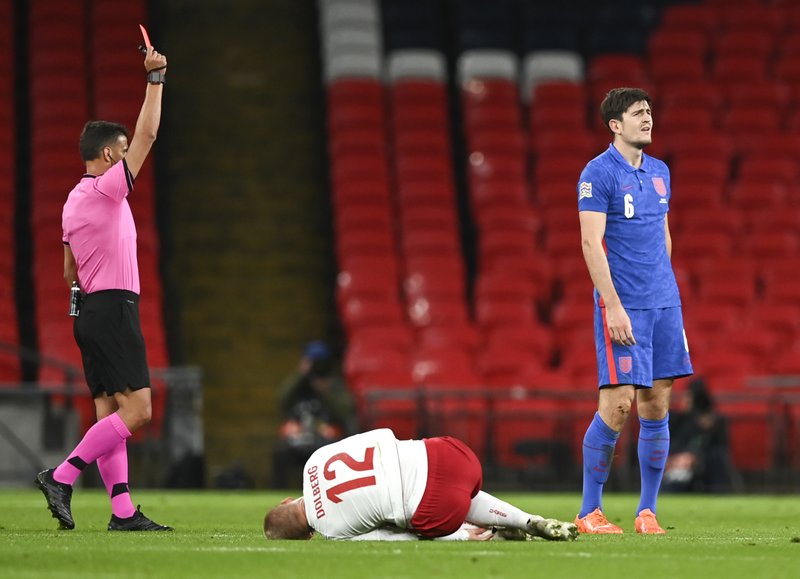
(363, 483)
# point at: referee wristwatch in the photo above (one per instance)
(156, 77)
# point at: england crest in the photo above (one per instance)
(660, 186)
(625, 364)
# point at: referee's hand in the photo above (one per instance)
(154, 60)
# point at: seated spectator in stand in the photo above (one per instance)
(316, 409)
(699, 457)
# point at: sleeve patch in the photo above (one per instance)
(585, 190)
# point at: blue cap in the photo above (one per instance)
(317, 350)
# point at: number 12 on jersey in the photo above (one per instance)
(353, 464)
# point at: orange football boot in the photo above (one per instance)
(596, 523)
(646, 523)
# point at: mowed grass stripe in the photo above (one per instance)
(218, 534)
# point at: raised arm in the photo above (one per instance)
(150, 115)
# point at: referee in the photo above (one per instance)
(99, 237)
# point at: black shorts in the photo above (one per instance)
(109, 336)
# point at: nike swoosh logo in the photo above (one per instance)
(129, 301)
(627, 187)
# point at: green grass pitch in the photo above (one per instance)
(218, 534)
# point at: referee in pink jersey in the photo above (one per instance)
(99, 238)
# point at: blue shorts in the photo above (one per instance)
(661, 350)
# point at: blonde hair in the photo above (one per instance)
(284, 522)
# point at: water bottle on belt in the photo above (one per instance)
(74, 300)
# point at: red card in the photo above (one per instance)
(145, 36)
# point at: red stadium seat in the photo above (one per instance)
(425, 192)
(354, 90)
(366, 217)
(490, 192)
(573, 313)
(455, 405)
(705, 317)
(690, 143)
(769, 167)
(372, 285)
(782, 319)
(723, 219)
(772, 244)
(616, 67)
(491, 313)
(490, 166)
(538, 268)
(703, 93)
(385, 265)
(359, 313)
(419, 116)
(421, 140)
(461, 336)
(770, 93)
(491, 142)
(753, 16)
(492, 116)
(423, 166)
(495, 285)
(744, 42)
(752, 434)
(432, 217)
(356, 141)
(739, 68)
(552, 117)
(757, 194)
(510, 217)
(443, 284)
(425, 242)
(560, 93)
(686, 167)
(356, 115)
(672, 67)
(425, 311)
(396, 337)
(480, 92)
(527, 432)
(680, 18)
(535, 341)
(493, 244)
(739, 292)
(365, 358)
(364, 243)
(360, 167)
(688, 43)
(554, 142)
(705, 243)
(418, 91)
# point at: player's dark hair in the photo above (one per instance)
(618, 100)
(99, 134)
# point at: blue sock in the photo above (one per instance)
(653, 451)
(598, 451)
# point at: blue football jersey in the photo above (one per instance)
(635, 202)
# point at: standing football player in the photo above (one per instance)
(623, 199)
